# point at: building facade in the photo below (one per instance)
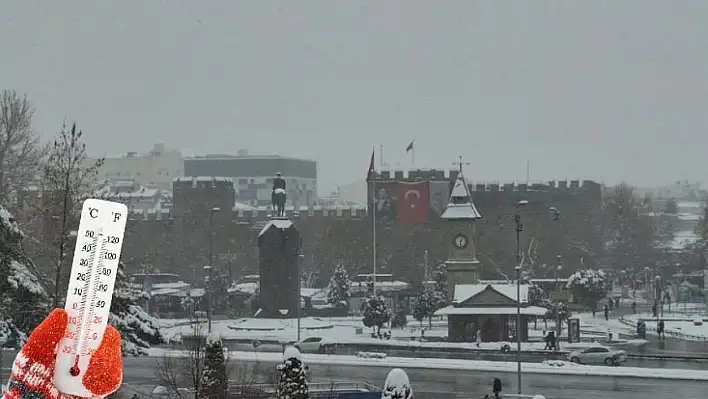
(253, 175)
(157, 168)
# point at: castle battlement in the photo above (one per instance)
(421, 175)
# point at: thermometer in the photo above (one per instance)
(88, 299)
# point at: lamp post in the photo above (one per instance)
(207, 280)
(519, 229)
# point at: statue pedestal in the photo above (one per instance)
(279, 246)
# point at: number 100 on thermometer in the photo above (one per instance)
(88, 300)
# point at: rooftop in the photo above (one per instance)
(461, 206)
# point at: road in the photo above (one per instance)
(485, 355)
(444, 384)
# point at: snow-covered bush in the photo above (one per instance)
(138, 330)
(371, 355)
(588, 286)
(23, 299)
(215, 381)
(293, 376)
(397, 385)
(338, 288)
(376, 314)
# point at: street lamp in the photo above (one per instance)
(519, 229)
(207, 279)
(300, 256)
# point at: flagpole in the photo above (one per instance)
(373, 216)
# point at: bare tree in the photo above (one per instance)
(66, 181)
(21, 152)
(183, 376)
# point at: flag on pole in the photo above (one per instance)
(410, 147)
(372, 169)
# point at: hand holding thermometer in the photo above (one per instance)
(88, 299)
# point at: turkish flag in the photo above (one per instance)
(412, 202)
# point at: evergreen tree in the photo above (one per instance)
(23, 297)
(293, 376)
(425, 305)
(338, 289)
(215, 382)
(376, 314)
(440, 286)
(138, 330)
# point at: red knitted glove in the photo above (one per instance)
(33, 369)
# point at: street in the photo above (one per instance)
(450, 384)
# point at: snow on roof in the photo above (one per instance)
(460, 205)
(278, 223)
(464, 292)
(203, 178)
(527, 311)
(246, 288)
(689, 217)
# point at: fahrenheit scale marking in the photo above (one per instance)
(88, 299)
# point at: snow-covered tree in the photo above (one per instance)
(536, 295)
(138, 330)
(215, 381)
(588, 286)
(376, 314)
(440, 286)
(425, 305)
(293, 376)
(23, 299)
(338, 289)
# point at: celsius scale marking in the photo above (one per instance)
(88, 299)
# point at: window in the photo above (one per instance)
(511, 326)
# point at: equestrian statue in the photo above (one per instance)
(279, 195)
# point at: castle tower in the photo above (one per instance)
(462, 263)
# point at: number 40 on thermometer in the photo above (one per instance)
(88, 300)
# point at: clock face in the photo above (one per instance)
(460, 241)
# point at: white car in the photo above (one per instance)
(316, 345)
(598, 355)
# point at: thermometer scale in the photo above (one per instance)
(88, 299)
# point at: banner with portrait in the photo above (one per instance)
(439, 196)
(382, 201)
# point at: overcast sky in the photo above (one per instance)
(604, 90)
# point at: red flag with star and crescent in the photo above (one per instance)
(412, 203)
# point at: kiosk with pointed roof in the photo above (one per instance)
(460, 213)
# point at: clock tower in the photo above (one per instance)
(460, 214)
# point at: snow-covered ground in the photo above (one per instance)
(349, 330)
(468, 365)
(680, 329)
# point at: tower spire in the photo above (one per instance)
(460, 206)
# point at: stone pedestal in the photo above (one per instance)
(279, 245)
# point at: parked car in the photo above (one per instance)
(316, 345)
(598, 355)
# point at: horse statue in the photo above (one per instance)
(279, 198)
